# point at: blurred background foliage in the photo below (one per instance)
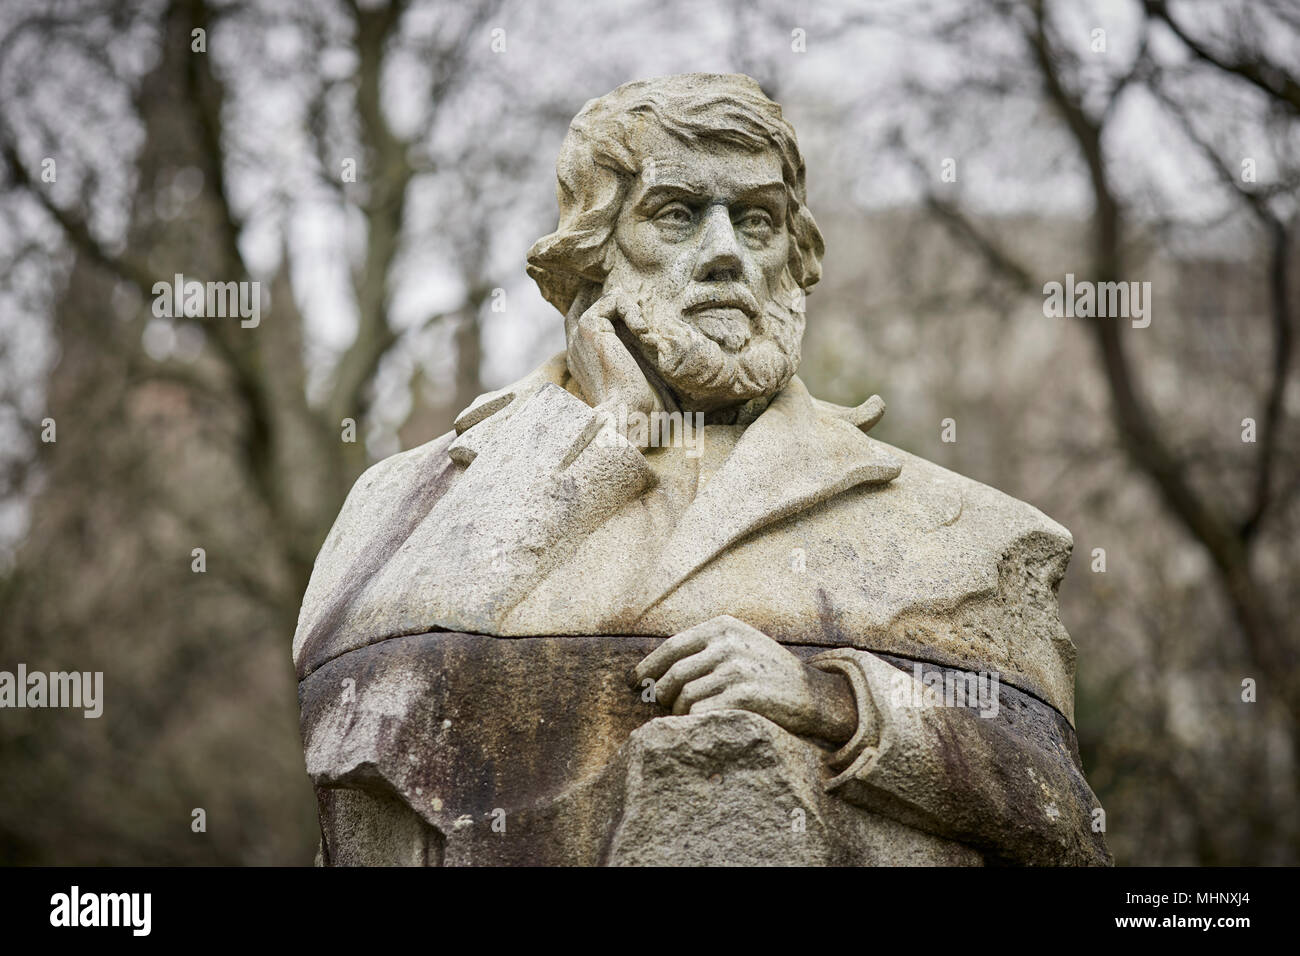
(1124, 140)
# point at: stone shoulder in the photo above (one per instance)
(1027, 554)
(385, 502)
(929, 484)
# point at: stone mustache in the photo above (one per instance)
(655, 603)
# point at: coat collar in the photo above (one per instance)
(798, 453)
(791, 458)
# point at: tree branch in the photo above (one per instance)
(1279, 314)
(74, 227)
(1268, 77)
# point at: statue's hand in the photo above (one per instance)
(605, 370)
(724, 664)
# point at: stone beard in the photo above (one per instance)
(708, 360)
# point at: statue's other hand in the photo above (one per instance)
(602, 365)
(724, 664)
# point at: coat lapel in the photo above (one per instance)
(788, 460)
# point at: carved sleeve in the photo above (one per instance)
(1008, 782)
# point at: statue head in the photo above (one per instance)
(687, 192)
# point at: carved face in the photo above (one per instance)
(702, 242)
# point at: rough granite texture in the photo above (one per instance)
(474, 644)
(928, 564)
(415, 742)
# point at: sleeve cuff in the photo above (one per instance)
(867, 733)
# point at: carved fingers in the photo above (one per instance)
(602, 365)
(724, 664)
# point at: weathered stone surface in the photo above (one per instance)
(464, 723)
(418, 744)
(731, 788)
(669, 478)
(929, 564)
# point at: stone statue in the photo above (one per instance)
(655, 603)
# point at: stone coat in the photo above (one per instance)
(858, 556)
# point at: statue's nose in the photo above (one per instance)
(719, 256)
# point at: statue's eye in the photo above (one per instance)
(674, 214)
(755, 222)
